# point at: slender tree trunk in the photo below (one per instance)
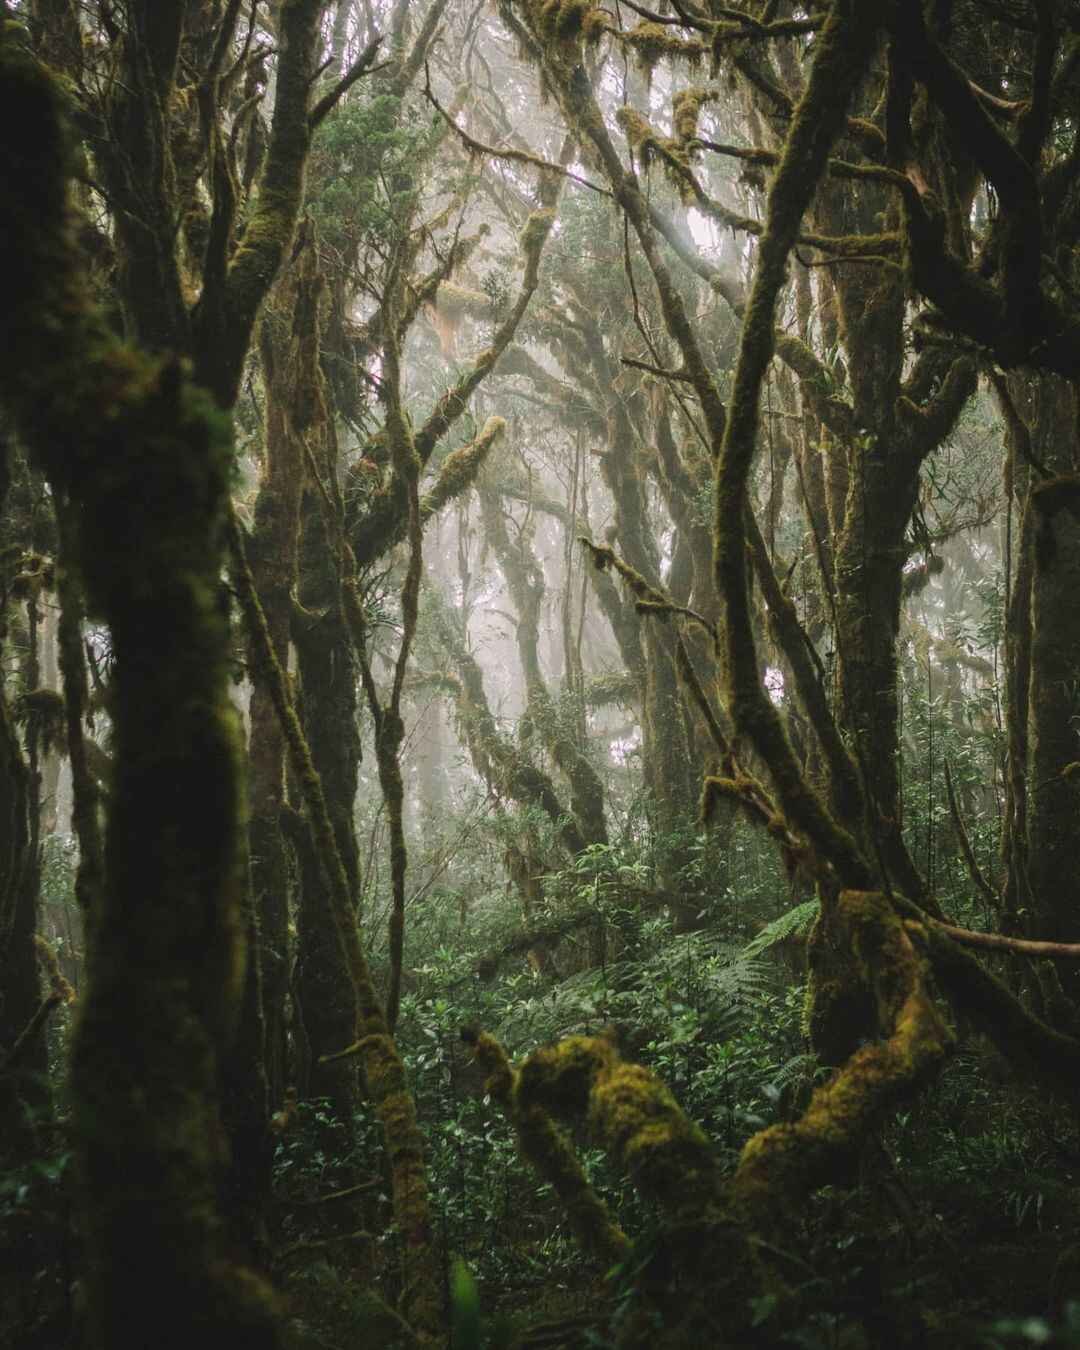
(24, 1091)
(272, 556)
(50, 768)
(328, 691)
(20, 991)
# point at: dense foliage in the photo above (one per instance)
(538, 729)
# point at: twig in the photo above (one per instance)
(26, 1036)
(975, 871)
(341, 1195)
(319, 1244)
(649, 600)
(515, 156)
(656, 370)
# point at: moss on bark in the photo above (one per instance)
(780, 1166)
(421, 1299)
(549, 1150)
(145, 457)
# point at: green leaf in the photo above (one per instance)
(465, 1316)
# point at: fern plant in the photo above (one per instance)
(794, 923)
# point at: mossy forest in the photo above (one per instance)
(540, 713)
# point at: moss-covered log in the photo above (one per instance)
(549, 1150)
(780, 1166)
(692, 1289)
(634, 1115)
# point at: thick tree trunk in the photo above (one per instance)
(145, 460)
(869, 564)
(1053, 704)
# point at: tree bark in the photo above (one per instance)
(165, 947)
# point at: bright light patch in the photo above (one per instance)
(702, 229)
(625, 747)
(774, 684)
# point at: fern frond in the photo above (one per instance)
(743, 978)
(794, 923)
(798, 1067)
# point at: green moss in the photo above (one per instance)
(455, 301)
(594, 25)
(549, 1150)
(665, 1154)
(652, 42)
(614, 687)
(636, 128)
(493, 1058)
(633, 1114)
(560, 1077)
(716, 790)
(673, 155)
(781, 1165)
(537, 228)
(45, 712)
(567, 20)
(685, 110)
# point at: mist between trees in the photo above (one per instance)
(540, 719)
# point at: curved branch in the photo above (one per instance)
(780, 1166)
(841, 53)
(359, 68)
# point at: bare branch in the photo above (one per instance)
(363, 65)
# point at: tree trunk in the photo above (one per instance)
(1053, 705)
(328, 692)
(145, 459)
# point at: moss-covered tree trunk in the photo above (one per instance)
(144, 458)
(666, 756)
(1053, 702)
(328, 691)
(272, 553)
(881, 436)
(870, 556)
(20, 980)
(20, 990)
(26, 576)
